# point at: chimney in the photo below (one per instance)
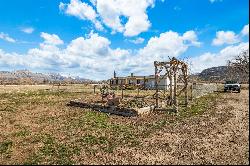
(114, 74)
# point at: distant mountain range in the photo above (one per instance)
(214, 74)
(26, 76)
(219, 74)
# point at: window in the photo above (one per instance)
(138, 81)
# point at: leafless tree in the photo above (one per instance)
(240, 66)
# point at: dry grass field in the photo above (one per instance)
(37, 127)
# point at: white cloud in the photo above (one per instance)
(92, 57)
(192, 37)
(51, 39)
(81, 10)
(208, 59)
(28, 30)
(95, 45)
(138, 40)
(245, 30)
(6, 37)
(225, 37)
(134, 11)
(78, 9)
(170, 44)
(125, 16)
(230, 37)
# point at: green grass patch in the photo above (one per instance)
(5, 146)
(199, 105)
(21, 133)
(52, 152)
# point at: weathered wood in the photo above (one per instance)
(175, 89)
(173, 69)
(122, 92)
(156, 86)
(114, 102)
(171, 90)
(106, 109)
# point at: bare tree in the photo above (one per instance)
(239, 66)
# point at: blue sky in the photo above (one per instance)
(91, 38)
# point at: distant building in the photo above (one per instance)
(143, 81)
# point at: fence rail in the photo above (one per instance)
(203, 89)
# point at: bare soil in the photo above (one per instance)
(219, 136)
(36, 127)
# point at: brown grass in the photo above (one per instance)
(36, 127)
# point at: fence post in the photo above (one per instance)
(175, 90)
(186, 95)
(94, 88)
(122, 92)
(156, 86)
(171, 90)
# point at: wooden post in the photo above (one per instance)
(144, 84)
(156, 87)
(186, 88)
(171, 89)
(94, 88)
(175, 88)
(122, 91)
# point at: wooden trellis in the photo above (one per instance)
(174, 69)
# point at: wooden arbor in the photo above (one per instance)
(174, 69)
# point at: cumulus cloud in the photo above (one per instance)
(51, 39)
(160, 48)
(245, 30)
(225, 37)
(191, 36)
(28, 30)
(134, 11)
(81, 10)
(6, 37)
(230, 37)
(125, 16)
(92, 57)
(220, 58)
(170, 44)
